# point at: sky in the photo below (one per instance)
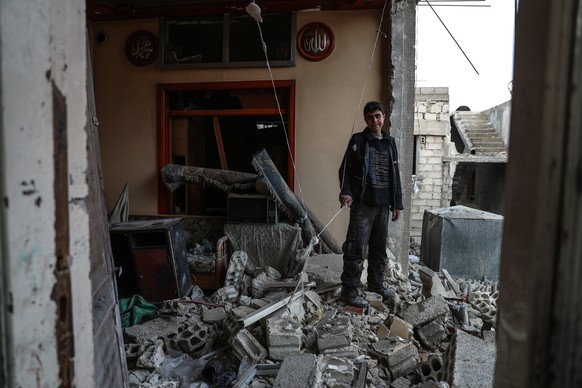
(486, 37)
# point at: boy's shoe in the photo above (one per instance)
(386, 293)
(354, 299)
(388, 296)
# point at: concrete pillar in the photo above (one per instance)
(401, 110)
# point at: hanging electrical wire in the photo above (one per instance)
(457, 43)
(357, 112)
(255, 12)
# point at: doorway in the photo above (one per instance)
(221, 126)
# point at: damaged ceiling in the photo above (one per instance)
(107, 10)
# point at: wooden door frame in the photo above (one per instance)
(164, 114)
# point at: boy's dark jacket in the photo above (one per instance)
(355, 162)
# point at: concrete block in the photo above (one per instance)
(193, 339)
(431, 369)
(425, 311)
(245, 344)
(284, 337)
(334, 372)
(431, 334)
(399, 357)
(465, 241)
(469, 362)
(153, 356)
(225, 294)
(296, 371)
(214, 315)
(336, 334)
(156, 328)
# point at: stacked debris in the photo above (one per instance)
(262, 330)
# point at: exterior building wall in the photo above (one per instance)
(432, 182)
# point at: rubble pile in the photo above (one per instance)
(261, 330)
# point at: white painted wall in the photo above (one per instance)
(41, 44)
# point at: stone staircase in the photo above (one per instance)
(479, 135)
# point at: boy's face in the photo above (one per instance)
(375, 121)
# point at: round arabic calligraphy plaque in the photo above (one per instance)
(141, 48)
(315, 41)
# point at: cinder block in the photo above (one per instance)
(214, 315)
(431, 369)
(336, 334)
(425, 311)
(431, 334)
(245, 344)
(192, 339)
(400, 358)
(153, 356)
(296, 371)
(464, 241)
(284, 337)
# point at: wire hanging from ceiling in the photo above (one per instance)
(255, 12)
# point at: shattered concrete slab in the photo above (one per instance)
(469, 362)
(154, 329)
(425, 311)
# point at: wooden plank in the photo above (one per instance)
(219, 143)
(453, 284)
(226, 112)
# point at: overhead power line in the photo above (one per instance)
(457, 43)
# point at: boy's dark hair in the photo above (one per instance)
(373, 106)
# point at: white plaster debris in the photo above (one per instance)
(208, 329)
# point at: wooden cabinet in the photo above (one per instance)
(150, 259)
